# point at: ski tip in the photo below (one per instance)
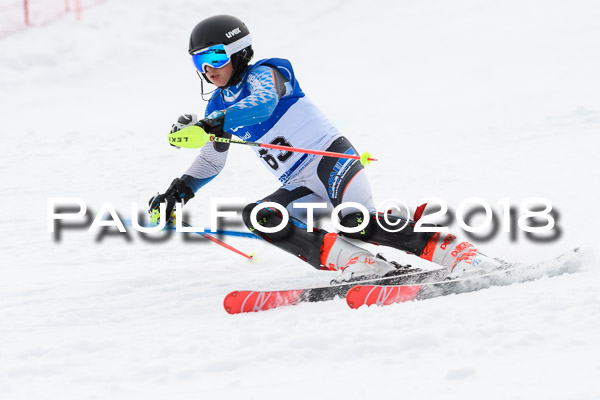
(228, 300)
(369, 295)
(352, 297)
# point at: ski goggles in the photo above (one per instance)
(219, 55)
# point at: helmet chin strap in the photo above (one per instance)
(232, 82)
(202, 86)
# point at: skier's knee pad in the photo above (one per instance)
(383, 233)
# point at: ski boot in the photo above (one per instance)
(461, 259)
(355, 262)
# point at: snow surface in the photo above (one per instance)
(456, 99)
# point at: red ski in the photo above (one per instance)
(242, 301)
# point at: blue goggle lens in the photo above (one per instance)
(214, 56)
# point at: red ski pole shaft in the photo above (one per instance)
(315, 152)
(364, 158)
(229, 247)
(220, 243)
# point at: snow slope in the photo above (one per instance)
(456, 99)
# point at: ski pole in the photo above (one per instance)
(194, 137)
(247, 235)
(155, 215)
(365, 158)
(220, 243)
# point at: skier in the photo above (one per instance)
(264, 103)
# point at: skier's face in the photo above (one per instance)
(219, 76)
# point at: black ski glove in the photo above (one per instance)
(178, 192)
(213, 124)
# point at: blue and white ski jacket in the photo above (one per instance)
(267, 106)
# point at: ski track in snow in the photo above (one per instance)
(455, 99)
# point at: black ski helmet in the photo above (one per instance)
(223, 29)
